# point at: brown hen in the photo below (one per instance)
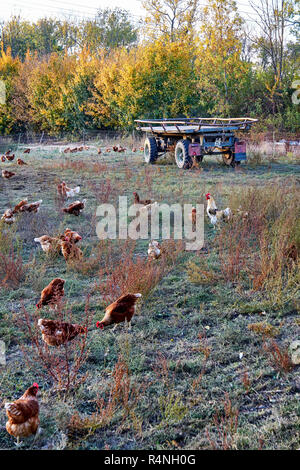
(119, 311)
(52, 293)
(23, 414)
(55, 333)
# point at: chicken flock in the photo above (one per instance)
(23, 413)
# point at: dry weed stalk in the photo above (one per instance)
(103, 191)
(201, 274)
(122, 396)
(88, 264)
(246, 381)
(60, 364)
(206, 351)
(172, 403)
(12, 268)
(278, 356)
(225, 427)
(134, 273)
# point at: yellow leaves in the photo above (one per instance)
(57, 88)
(9, 66)
(153, 79)
(220, 45)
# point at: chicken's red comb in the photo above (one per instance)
(99, 325)
(207, 195)
(35, 385)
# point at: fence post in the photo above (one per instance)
(41, 139)
(19, 140)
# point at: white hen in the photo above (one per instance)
(214, 213)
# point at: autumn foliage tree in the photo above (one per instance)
(59, 90)
(220, 69)
(64, 77)
(172, 18)
(156, 80)
(9, 69)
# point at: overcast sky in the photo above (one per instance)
(33, 9)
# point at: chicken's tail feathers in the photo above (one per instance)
(213, 219)
(227, 211)
(138, 295)
(12, 408)
(37, 240)
(77, 189)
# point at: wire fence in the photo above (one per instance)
(272, 142)
(98, 136)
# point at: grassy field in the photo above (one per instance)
(206, 364)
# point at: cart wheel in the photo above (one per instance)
(183, 160)
(150, 150)
(228, 159)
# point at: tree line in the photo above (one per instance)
(184, 60)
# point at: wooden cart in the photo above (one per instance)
(195, 138)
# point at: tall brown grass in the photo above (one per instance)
(77, 166)
(131, 273)
(12, 268)
(263, 248)
(278, 356)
